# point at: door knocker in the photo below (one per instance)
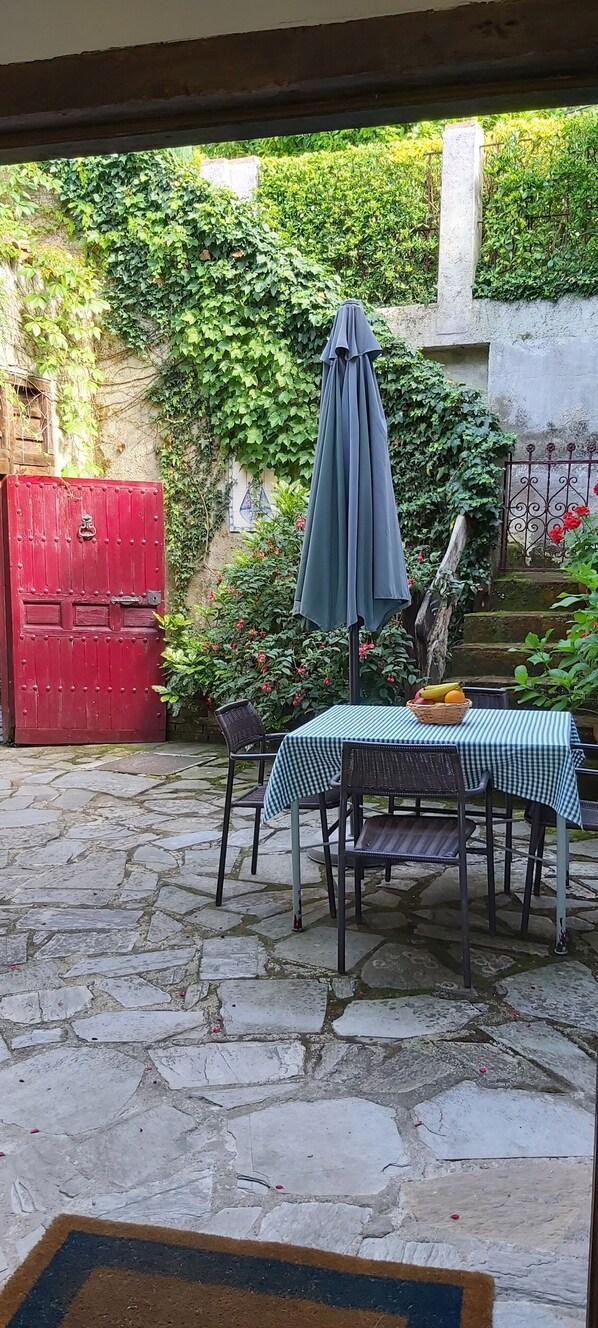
(87, 530)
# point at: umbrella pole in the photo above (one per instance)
(354, 689)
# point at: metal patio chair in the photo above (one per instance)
(484, 698)
(247, 741)
(542, 818)
(400, 770)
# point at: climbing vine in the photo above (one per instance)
(233, 318)
(369, 213)
(57, 297)
(540, 232)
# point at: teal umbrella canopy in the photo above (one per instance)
(352, 569)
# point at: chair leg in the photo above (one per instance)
(490, 862)
(534, 843)
(340, 922)
(508, 843)
(358, 878)
(464, 897)
(256, 839)
(327, 857)
(539, 863)
(391, 810)
(228, 798)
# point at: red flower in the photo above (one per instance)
(420, 557)
(261, 658)
(363, 650)
(300, 524)
(596, 489)
(390, 678)
(211, 595)
(557, 534)
(296, 698)
(240, 624)
(582, 510)
(266, 687)
(326, 681)
(571, 521)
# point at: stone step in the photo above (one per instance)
(498, 659)
(499, 625)
(519, 591)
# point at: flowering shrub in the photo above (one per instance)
(566, 675)
(248, 643)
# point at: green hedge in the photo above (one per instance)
(540, 232)
(369, 214)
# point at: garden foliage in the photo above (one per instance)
(564, 673)
(234, 318)
(247, 643)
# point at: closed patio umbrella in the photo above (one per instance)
(352, 569)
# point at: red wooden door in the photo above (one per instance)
(83, 574)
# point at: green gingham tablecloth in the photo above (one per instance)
(526, 752)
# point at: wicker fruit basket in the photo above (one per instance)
(440, 712)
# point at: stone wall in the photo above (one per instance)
(535, 361)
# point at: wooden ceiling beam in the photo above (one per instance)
(479, 57)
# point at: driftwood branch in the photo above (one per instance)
(436, 609)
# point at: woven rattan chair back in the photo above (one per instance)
(386, 769)
(240, 724)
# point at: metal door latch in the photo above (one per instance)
(154, 597)
(87, 530)
(126, 600)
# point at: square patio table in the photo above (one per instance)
(526, 752)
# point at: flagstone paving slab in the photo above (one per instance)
(319, 1226)
(318, 947)
(471, 1122)
(550, 1049)
(137, 1026)
(148, 961)
(180, 1201)
(405, 1017)
(64, 946)
(271, 1006)
(231, 957)
(45, 1007)
(163, 927)
(565, 992)
(133, 993)
(406, 968)
(68, 1090)
(79, 919)
(229, 1063)
(347, 1146)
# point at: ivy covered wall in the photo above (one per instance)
(540, 208)
(233, 318)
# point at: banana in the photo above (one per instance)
(437, 691)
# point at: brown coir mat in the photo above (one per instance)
(88, 1274)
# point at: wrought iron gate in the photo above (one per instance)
(539, 489)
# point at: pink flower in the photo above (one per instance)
(390, 678)
(240, 624)
(260, 657)
(211, 595)
(266, 687)
(326, 681)
(420, 557)
(300, 524)
(301, 669)
(296, 698)
(363, 650)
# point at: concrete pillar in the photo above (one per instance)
(239, 174)
(460, 223)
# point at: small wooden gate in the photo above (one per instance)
(82, 565)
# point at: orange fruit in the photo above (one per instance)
(456, 697)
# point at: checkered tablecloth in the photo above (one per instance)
(526, 752)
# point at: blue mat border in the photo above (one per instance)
(421, 1303)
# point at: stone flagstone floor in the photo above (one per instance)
(164, 1061)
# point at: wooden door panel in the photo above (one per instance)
(85, 571)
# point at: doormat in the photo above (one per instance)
(89, 1274)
